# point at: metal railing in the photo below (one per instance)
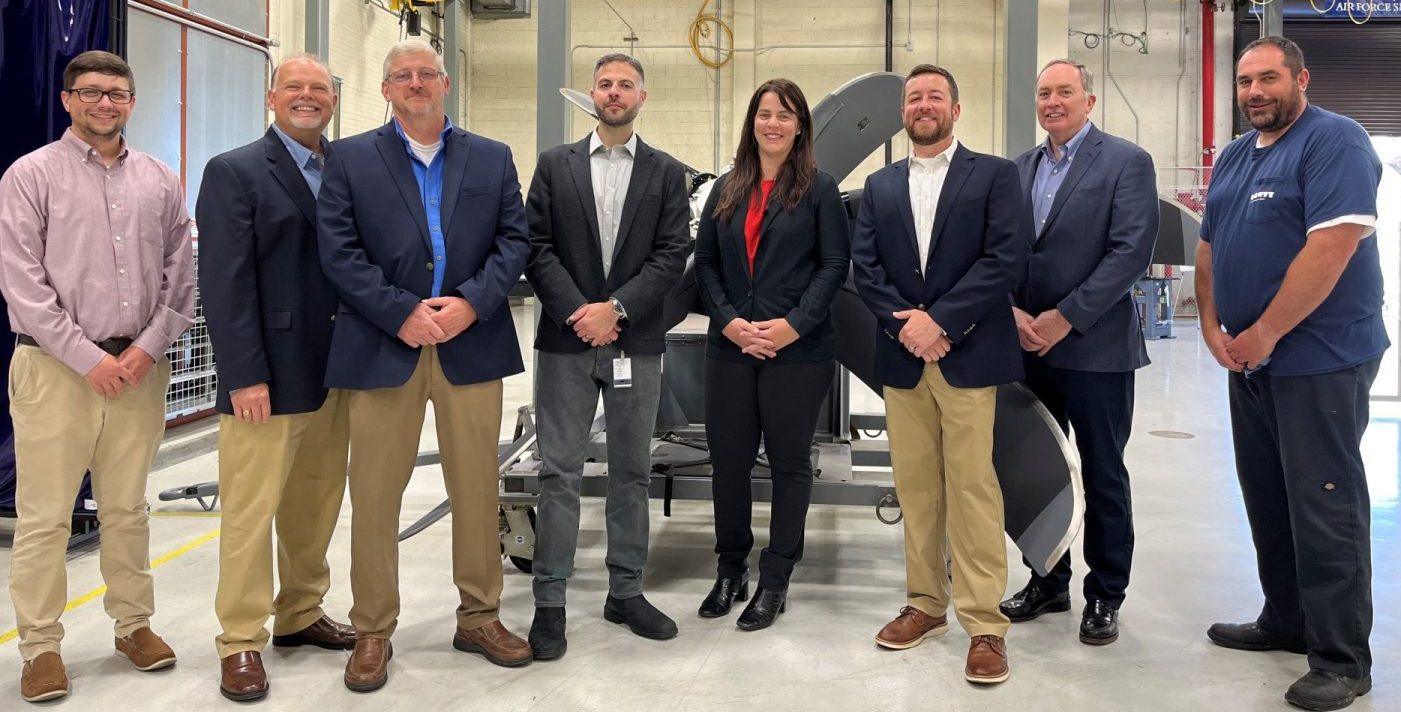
(1186, 185)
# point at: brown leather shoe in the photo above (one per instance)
(910, 628)
(145, 650)
(368, 667)
(242, 677)
(495, 643)
(324, 633)
(987, 660)
(43, 678)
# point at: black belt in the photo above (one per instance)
(111, 346)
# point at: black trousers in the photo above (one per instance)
(745, 401)
(1299, 460)
(1098, 407)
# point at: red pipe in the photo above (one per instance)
(1208, 98)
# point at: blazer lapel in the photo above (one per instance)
(455, 155)
(1079, 165)
(903, 205)
(960, 166)
(580, 171)
(642, 166)
(285, 170)
(396, 159)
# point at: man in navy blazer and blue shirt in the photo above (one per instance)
(940, 241)
(283, 437)
(1095, 208)
(423, 233)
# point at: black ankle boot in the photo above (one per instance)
(723, 595)
(763, 610)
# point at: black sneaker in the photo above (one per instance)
(547, 633)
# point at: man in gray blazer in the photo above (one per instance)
(609, 233)
(1095, 209)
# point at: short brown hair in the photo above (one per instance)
(1293, 55)
(931, 69)
(100, 62)
(620, 57)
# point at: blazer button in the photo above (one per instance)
(920, 306)
(333, 317)
(749, 293)
(429, 266)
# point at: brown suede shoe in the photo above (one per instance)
(242, 677)
(368, 667)
(495, 643)
(910, 628)
(987, 660)
(43, 678)
(324, 633)
(145, 650)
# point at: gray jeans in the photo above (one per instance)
(566, 395)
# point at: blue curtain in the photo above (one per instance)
(37, 40)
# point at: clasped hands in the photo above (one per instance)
(1244, 350)
(596, 324)
(1042, 332)
(760, 339)
(921, 336)
(436, 320)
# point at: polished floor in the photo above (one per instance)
(1193, 565)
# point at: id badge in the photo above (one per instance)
(622, 372)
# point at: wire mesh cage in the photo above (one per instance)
(193, 381)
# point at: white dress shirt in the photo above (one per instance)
(926, 183)
(611, 171)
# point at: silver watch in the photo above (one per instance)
(618, 309)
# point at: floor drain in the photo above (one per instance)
(1174, 434)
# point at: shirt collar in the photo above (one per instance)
(300, 154)
(84, 149)
(945, 157)
(630, 146)
(1071, 146)
(447, 129)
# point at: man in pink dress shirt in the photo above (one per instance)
(96, 268)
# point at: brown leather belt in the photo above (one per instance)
(111, 346)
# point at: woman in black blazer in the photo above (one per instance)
(771, 254)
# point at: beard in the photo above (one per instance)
(623, 119)
(938, 133)
(1276, 116)
(91, 130)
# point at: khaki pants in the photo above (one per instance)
(941, 450)
(385, 424)
(64, 428)
(290, 470)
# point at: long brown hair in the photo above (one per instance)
(799, 170)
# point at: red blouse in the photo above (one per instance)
(754, 219)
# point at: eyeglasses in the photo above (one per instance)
(406, 76)
(89, 95)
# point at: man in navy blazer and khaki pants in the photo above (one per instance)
(940, 241)
(283, 437)
(423, 233)
(1095, 210)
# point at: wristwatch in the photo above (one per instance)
(618, 309)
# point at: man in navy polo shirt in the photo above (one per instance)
(1289, 289)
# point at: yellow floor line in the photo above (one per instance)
(198, 515)
(13, 633)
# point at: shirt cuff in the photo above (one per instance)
(1367, 221)
(83, 358)
(153, 343)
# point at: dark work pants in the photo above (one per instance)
(1098, 407)
(744, 401)
(1299, 459)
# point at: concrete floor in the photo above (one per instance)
(1194, 566)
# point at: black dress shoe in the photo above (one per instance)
(1031, 602)
(763, 610)
(641, 617)
(547, 640)
(1326, 690)
(1099, 625)
(723, 595)
(1249, 636)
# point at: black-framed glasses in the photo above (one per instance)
(406, 75)
(89, 95)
